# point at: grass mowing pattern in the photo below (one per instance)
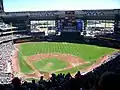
(84, 51)
(50, 64)
(87, 52)
(23, 65)
(74, 69)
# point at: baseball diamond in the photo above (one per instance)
(44, 58)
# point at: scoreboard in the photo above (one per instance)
(69, 23)
(69, 14)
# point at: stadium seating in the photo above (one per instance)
(6, 52)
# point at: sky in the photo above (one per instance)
(41, 5)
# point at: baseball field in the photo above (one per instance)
(44, 58)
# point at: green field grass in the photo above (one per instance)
(74, 69)
(87, 52)
(23, 65)
(50, 64)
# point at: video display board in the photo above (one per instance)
(69, 22)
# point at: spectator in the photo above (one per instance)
(77, 76)
(108, 81)
(41, 87)
(33, 85)
(2, 87)
(16, 83)
(41, 81)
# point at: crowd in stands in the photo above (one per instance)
(111, 57)
(11, 37)
(6, 52)
(15, 36)
(107, 81)
(7, 33)
(109, 36)
(5, 38)
(5, 27)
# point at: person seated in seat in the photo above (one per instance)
(77, 76)
(16, 82)
(33, 85)
(109, 81)
(41, 81)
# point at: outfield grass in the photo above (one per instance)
(50, 64)
(84, 51)
(87, 52)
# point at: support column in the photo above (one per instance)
(28, 23)
(85, 24)
(117, 24)
(1, 6)
(105, 27)
(58, 24)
